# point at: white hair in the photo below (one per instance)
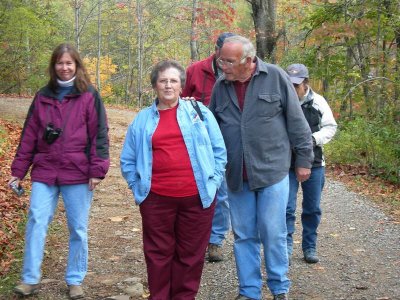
(248, 47)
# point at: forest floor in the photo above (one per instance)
(359, 241)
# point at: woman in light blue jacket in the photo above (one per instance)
(173, 160)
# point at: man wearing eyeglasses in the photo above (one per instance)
(261, 119)
(200, 79)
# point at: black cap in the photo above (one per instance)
(222, 37)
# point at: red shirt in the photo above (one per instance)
(240, 89)
(172, 170)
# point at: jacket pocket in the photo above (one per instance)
(221, 107)
(269, 105)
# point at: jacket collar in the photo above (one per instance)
(154, 109)
(207, 64)
(260, 66)
(47, 92)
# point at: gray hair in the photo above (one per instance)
(248, 47)
(164, 65)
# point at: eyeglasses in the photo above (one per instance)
(168, 81)
(229, 64)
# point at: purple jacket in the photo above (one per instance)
(82, 150)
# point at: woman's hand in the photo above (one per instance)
(93, 182)
(14, 179)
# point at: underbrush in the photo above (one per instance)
(373, 144)
(12, 211)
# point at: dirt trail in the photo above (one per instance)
(359, 245)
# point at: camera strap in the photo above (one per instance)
(197, 108)
(65, 120)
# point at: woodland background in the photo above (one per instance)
(352, 49)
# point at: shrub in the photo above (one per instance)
(373, 143)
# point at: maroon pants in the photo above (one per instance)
(176, 232)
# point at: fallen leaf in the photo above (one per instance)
(118, 218)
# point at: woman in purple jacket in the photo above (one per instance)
(65, 140)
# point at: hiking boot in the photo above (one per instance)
(26, 289)
(215, 253)
(75, 292)
(242, 297)
(281, 297)
(310, 256)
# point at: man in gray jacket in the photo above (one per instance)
(261, 119)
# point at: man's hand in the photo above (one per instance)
(188, 98)
(302, 174)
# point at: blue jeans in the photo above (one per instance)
(221, 219)
(258, 218)
(311, 213)
(43, 202)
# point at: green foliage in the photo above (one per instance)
(373, 143)
(3, 141)
(27, 38)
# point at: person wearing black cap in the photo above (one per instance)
(323, 127)
(200, 79)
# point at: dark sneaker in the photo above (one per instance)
(215, 253)
(75, 292)
(310, 256)
(26, 289)
(281, 297)
(242, 297)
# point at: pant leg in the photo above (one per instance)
(291, 210)
(246, 247)
(271, 216)
(159, 215)
(77, 201)
(43, 202)
(221, 220)
(311, 214)
(192, 231)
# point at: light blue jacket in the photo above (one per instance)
(203, 140)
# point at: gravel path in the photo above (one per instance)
(359, 246)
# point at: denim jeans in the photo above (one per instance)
(221, 219)
(43, 202)
(258, 218)
(311, 213)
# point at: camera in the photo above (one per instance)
(17, 188)
(51, 133)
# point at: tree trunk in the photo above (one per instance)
(139, 14)
(193, 42)
(77, 7)
(98, 71)
(264, 18)
(397, 66)
(130, 67)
